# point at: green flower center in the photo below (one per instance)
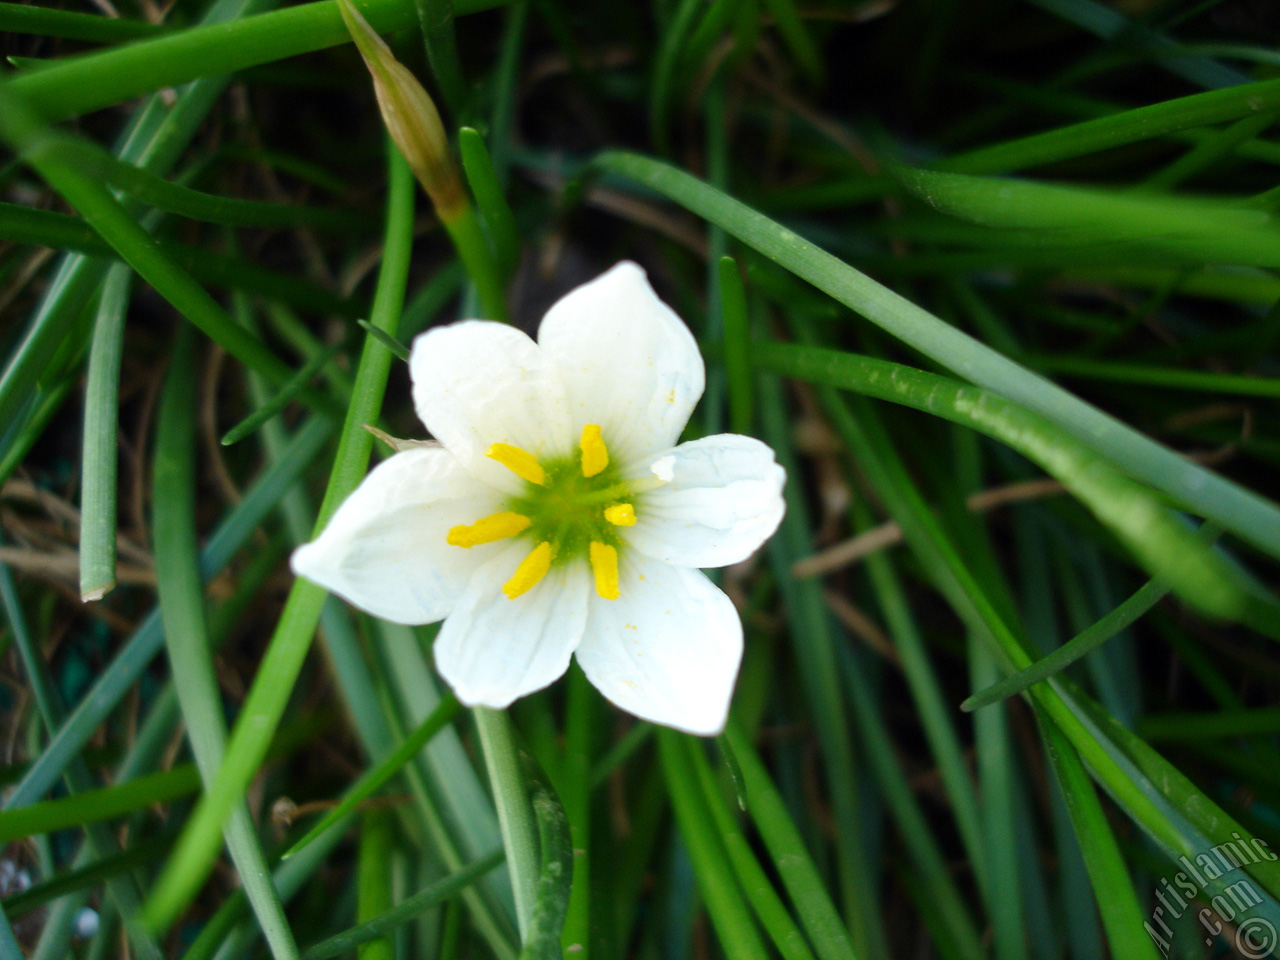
(570, 507)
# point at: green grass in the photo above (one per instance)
(998, 283)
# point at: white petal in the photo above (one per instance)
(384, 549)
(724, 500)
(627, 361)
(667, 649)
(477, 383)
(493, 649)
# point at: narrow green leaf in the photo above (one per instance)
(92, 805)
(283, 396)
(101, 428)
(186, 630)
(490, 201)
(1240, 511)
(265, 703)
(1147, 596)
(406, 910)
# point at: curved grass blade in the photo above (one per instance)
(1146, 597)
(281, 398)
(1161, 541)
(187, 634)
(265, 703)
(1240, 511)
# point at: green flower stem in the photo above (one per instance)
(83, 84)
(575, 791)
(1240, 511)
(511, 797)
(263, 707)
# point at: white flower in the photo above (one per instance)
(558, 516)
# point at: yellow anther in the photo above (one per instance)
(595, 456)
(530, 572)
(621, 515)
(520, 462)
(496, 527)
(604, 565)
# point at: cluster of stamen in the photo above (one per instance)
(567, 506)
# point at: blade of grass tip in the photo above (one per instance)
(24, 131)
(510, 796)
(98, 460)
(1241, 511)
(1146, 597)
(768, 906)
(374, 880)
(404, 911)
(737, 351)
(186, 630)
(1122, 916)
(720, 891)
(490, 201)
(283, 396)
(388, 341)
(376, 776)
(132, 659)
(265, 703)
(104, 804)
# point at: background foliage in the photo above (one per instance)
(888, 222)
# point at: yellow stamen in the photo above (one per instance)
(595, 456)
(530, 572)
(520, 462)
(487, 530)
(604, 564)
(621, 515)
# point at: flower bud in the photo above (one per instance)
(410, 116)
